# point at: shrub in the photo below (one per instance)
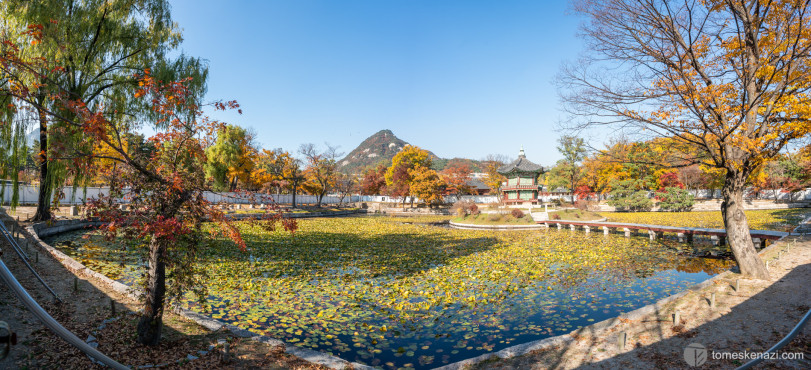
(674, 199)
(517, 213)
(555, 216)
(626, 196)
(494, 217)
(465, 207)
(584, 205)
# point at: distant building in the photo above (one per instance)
(477, 186)
(522, 180)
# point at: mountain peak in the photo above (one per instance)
(380, 147)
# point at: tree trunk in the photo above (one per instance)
(151, 322)
(44, 196)
(295, 185)
(737, 226)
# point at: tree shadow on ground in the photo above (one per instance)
(393, 254)
(87, 304)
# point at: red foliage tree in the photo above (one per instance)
(670, 180)
(584, 192)
(456, 177)
(374, 181)
(164, 187)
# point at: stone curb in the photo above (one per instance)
(242, 216)
(604, 219)
(496, 227)
(526, 348)
(77, 268)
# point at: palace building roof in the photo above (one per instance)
(522, 164)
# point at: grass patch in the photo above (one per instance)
(574, 215)
(765, 219)
(494, 219)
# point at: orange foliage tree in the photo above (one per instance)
(726, 78)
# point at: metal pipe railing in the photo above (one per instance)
(779, 344)
(50, 323)
(15, 244)
(10, 239)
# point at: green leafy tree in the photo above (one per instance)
(102, 44)
(231, 158)
(568, 171)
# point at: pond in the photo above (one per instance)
(389, 293)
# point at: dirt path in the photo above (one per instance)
(752, 319)
(87, 311)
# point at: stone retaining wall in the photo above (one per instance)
(715, 205)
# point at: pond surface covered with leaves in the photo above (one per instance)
(389, 293)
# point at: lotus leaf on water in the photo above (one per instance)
(397, 292)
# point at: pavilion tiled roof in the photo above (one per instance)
(522, 164)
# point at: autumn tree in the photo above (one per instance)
(231, 159)
(281, 170)
(345, 185)
(493, 179)
(693, 178)
(456, 176)
(401, 173)
(727, 78)
(102, 42)
(321, 170)
(164, 184)
(427, 185)
(373, 181)
(165, 189)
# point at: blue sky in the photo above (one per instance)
(460, 78)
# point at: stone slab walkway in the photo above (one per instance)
(763, 234)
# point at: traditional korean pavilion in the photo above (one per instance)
(522, 185)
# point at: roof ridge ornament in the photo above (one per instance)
(521, 153)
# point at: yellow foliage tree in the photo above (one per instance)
(726, 78)
(427, 185)
(400, 175)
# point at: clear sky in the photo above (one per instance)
(460, 78)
